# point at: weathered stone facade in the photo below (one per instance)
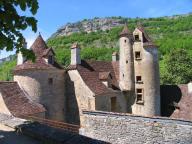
(139, 72)
(3, 109)
(129, 129)
(147, 68)
(46, 87)
(79, 97)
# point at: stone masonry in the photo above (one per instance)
(125, 129)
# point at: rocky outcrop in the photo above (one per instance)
(89, 25)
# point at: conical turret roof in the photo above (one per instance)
(39, 46)
(125, 31)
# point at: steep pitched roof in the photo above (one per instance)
(39, 46)
(17, 101)
(90, 70)
(104, 75)
(147, 41)
(40, 50)
(46, 51)
(125, 31)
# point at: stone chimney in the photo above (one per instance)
(115, 56)
(75, 54)
(20, 58)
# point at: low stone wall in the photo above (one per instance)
(125, 129)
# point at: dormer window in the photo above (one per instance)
(138, 55)
(136, 38)
(50, 59)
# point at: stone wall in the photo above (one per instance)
(78, 97)
(46, 87)
(3, 107)
(123, 128)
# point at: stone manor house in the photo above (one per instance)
(129, 83)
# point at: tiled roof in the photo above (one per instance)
(39, 64)
(90, 70)
(40, 49)
(125, 31)
(184, 110)
(147, 42)
(104, 75)
(103, 66)
(39, 46)
(46, 51)
(17, 101)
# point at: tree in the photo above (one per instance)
(12, 23)
(178, 67)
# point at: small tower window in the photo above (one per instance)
(50, 81)
(137, 38)
(139, 79)
(138, 55)
(50, 59)
(125, 41)
(139, 96)
(126, 61)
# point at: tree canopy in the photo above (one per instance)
(178, 67)
(12, 23)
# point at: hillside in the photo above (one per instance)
(169, 33)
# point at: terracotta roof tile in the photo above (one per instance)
(39, 64)
(104, 75)
(92, 81)
(104, 66)
(39, 46)
(90, 71)
(125, 31)
(40, 49)
(147, 41)
(46, 51)
(17, 101)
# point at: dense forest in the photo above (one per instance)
(173, 36)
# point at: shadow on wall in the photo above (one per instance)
(72, 108)
(11, 137)
(170, 97)
(50, 135)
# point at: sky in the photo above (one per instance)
(52, 14)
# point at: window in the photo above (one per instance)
(138, 79)
(139, 96)
(50, 59)
(113, 104)
(50, 81)
(137, 38)
(126, 61)
(125, 41)
(138, 55)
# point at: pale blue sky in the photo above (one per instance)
(52, 14)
